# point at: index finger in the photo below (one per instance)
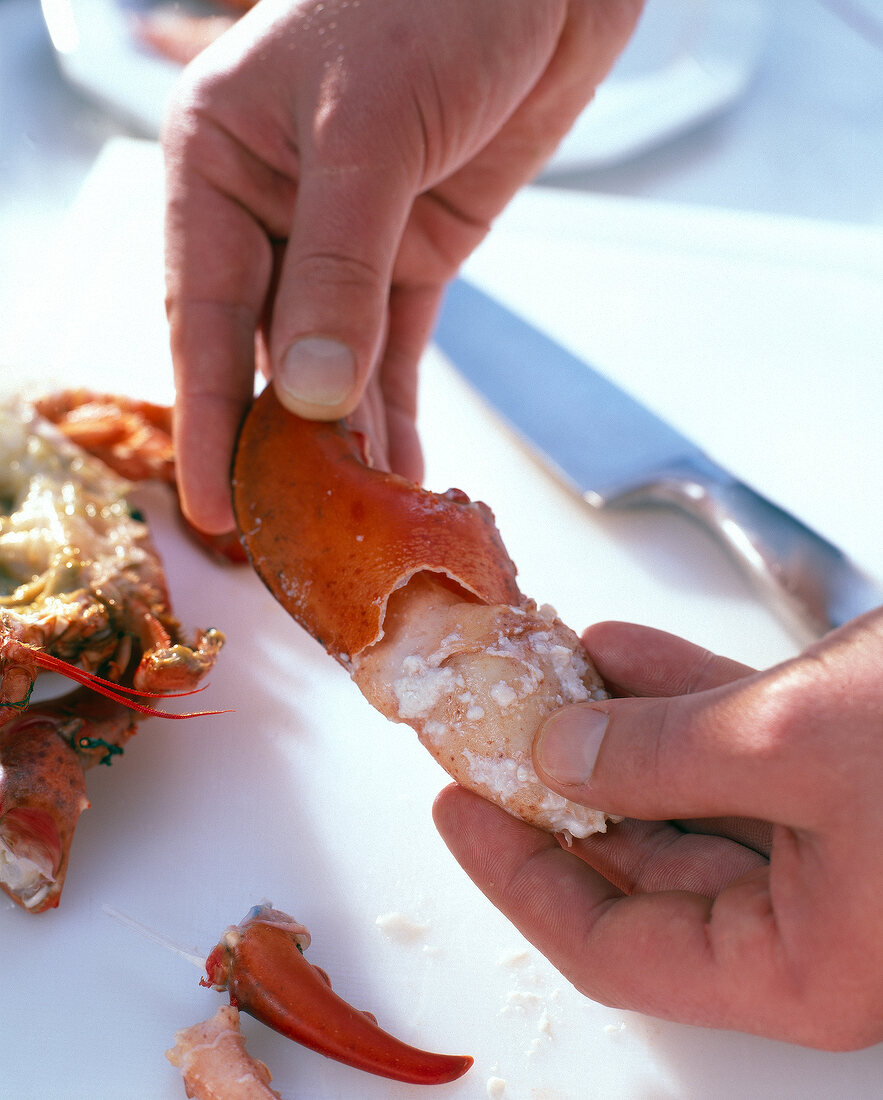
(218, 269)
(641, 660)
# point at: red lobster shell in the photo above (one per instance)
(415, 594)
(332, 537)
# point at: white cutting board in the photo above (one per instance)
(760, 339)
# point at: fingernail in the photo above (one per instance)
(318, 371)
(568, 744)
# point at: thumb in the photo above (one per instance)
(330, 309)
(730, 751)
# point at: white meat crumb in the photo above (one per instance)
(421, 686)
(398, 927)
(503, 694)
(520, 1000)
(515, 959)
(436, 732)
(506, 777)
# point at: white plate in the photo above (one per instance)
(98, 53)
(688, 60)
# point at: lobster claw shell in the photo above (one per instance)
(414, 593)
(333, 538)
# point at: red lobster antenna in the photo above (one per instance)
(118, 692)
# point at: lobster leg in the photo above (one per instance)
(42, 794)
(43, 755)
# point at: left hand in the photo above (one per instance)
(329, 167)
(696, 908)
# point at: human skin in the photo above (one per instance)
(330, 164)
(745, 888)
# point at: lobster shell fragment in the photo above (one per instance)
(332, 538)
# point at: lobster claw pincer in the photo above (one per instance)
(260, 963)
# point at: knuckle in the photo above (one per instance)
(703, 671)
(775, 709)
(339, 271)
(665, 748)
(795, 713)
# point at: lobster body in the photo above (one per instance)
(82, 593)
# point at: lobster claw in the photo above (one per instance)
(332, 537)
(260, 962)
(414, 593)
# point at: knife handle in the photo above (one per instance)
(811, 583)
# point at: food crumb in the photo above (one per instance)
(503, 694)
(514, 959)
(614, 1029)
(396, 926)
(520, 1000)
(496, 1086)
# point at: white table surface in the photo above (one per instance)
(308, 797)
(758, 335)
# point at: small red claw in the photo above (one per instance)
(260, 962)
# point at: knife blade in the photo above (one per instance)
(615, 452)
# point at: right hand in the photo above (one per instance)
(745, 887)
(329, 167)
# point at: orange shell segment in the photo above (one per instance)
(332, 538)
(132, 437)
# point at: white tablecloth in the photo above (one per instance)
(757, 333)
(308, 797)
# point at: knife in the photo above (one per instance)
(615, 453)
